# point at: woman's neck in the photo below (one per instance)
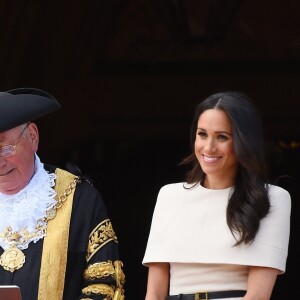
(216, 183)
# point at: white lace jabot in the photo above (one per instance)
(28, 206)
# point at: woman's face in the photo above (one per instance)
(214, 149)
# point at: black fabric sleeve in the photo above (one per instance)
(94, 269)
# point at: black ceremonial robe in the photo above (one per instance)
(93, 269)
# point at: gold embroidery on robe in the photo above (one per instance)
(120, 280)
(54, 257)
(99, 270)
(100, 236)
(100, 289)
(105, 269)
(119, 274)
(119, 295)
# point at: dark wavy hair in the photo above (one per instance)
(249, 201)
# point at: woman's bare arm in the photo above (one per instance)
(261, 281)
(158, 281)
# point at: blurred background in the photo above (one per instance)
(129, 75)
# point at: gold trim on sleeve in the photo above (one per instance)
(119, 274)
(99, 270)
(105, 269)
(120, 280)
(119, 295)
(99, 289)
(100, 236)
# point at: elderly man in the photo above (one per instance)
(56, 239)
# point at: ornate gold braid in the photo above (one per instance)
(99, 270)
(120, 280)
(100, 236)
(105, 269)
(100, 289)
(119, 274)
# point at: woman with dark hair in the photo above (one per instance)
(224, 233)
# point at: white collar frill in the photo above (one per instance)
(27, 209)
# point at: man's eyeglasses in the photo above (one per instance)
(10, 150)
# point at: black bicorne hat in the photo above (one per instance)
(22, 105)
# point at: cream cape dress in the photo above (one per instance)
(190, 232)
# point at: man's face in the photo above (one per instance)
(17, 170)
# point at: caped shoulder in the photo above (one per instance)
(275, 190)
(174, 187)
